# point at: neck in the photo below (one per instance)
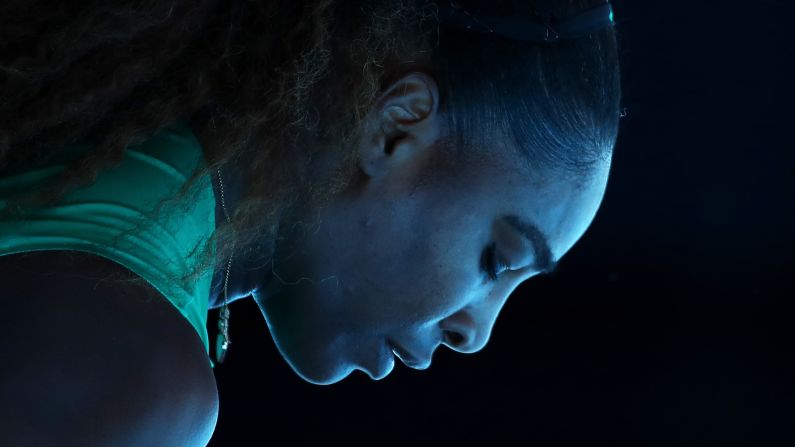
(241, 282)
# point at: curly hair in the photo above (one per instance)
(279, 83)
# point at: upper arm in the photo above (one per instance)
(90, 362)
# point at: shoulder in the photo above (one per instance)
(98, 359)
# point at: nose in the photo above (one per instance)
(462, 334)
(468, 330)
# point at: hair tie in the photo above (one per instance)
(525, 29)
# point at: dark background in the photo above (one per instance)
(669, 324)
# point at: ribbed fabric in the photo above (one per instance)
(88, 218)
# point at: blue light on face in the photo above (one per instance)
(611, 15)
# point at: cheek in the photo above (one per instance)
(430, 280)
(406, 281)
(407, 263)
(395, 283)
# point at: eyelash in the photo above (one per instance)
(492, 265)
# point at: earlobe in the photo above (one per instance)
(370, 156)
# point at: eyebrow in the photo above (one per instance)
(543, 255)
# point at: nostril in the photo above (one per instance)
(453, 338)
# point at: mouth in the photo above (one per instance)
(405, 356)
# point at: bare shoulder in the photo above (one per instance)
(88, 360)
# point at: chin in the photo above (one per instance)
(316, 366)
(318, 376)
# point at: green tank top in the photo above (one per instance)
(89, 218)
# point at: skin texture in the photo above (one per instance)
(398, 255)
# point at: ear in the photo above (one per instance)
(402, 125)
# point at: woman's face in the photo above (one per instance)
(400, 258)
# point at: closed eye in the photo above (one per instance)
(490, 263)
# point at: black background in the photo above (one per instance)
(668, 324)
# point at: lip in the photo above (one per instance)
(407, 357)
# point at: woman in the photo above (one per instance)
(378, 176)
